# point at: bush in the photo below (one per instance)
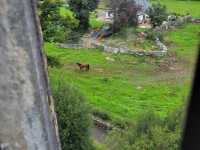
(152, 35)
(158, 14)
(149, 133)
(53, 61)
(94, 23)
(73, 118)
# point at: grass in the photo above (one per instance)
(127, 86)
(184, 41)
(182, 6)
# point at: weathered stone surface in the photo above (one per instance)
(25, 120)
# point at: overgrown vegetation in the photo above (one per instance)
(57, 22)
(150, 133)
(157, 13)
(124, 12)
(94, 22)
(73, 115)
(53, 61)
(152, 35)
(82, 9)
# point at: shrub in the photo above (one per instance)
(149, 133)
(73, 118)
(53, 61)
(157, 13)
(152, 35)
(94, 23)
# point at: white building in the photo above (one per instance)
(106, 15)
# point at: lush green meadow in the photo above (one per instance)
(184, 41)
(182, 6)
(124, 86)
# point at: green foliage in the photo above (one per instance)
(158, 13)
(125, 13)
(73, 117)
(57, 22)
(152, 35)
(99, 146)
(94, 23)
(149, 133)
(53, 61)
(82, 9)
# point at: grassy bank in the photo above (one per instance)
(182, 6)
(125, 86)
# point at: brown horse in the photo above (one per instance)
(84, 66)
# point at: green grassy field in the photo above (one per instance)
(128, 86)
(184, 42)
(182, 6)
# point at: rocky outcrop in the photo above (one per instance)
(27, 118)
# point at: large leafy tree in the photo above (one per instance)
(82, 9)
(57, 22)
(158, 13)
(125, 13)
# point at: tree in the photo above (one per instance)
(125, 13)
(157, 13)
(82, 9)
(56, 23)
(73, 118)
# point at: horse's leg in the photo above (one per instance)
(88, 67)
